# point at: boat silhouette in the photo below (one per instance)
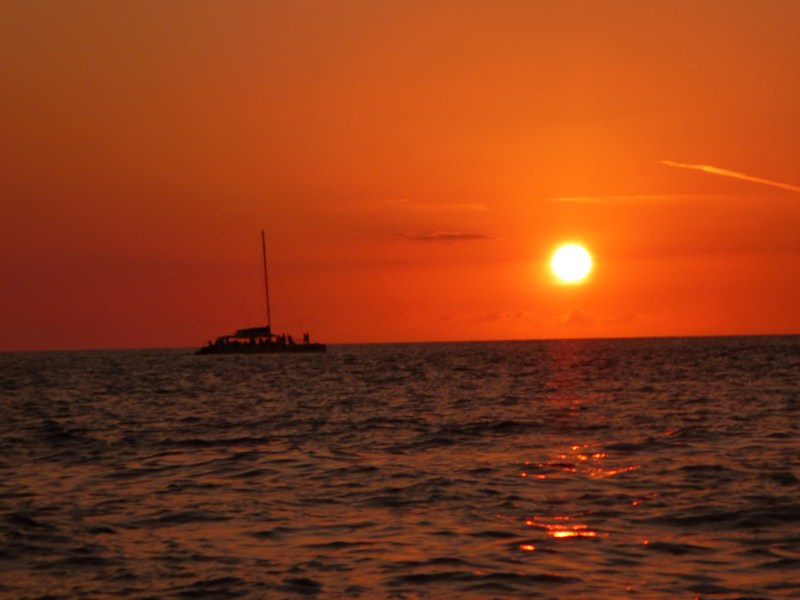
(260, 340)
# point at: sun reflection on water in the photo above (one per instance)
(561, 526)
(527, 547)
(584, 461)
(580, 459)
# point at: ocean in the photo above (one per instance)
(643, 468)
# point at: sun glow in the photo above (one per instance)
(571, 263)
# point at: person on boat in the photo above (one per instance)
(306, 339)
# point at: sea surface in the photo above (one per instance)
(646, 468)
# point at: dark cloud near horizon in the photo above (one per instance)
(445, 236)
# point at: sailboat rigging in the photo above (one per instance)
(260, 340)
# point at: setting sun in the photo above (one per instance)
(571, 263)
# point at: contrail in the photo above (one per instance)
(734, 174)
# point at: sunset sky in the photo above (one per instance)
(413, 163)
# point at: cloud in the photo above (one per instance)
(445, 236)
(628, 318)
(596, 199)
(494, 316)
(437, 207)
(415, 206)
(734, 174)
(578, 318)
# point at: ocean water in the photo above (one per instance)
(650, 468)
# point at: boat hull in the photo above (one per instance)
(262, 349)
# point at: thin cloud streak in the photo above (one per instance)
(407, 205)
(619, 199)
(435, 206)
(734, 174)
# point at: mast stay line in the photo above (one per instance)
(266, 281)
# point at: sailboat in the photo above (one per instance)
(260, 340)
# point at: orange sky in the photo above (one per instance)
(414, 165)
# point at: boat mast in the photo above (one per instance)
(266, 282)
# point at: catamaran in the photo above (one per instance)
(257, 340)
